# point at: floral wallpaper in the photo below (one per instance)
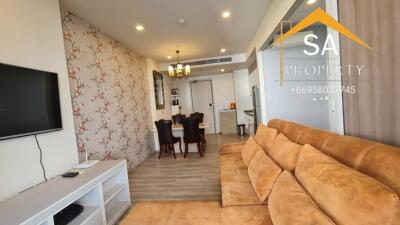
(109, 92)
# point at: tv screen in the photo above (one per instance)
(29, 102)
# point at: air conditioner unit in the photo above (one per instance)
(295, 40)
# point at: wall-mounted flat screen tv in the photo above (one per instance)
(29, 102)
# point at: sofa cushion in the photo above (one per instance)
(236, 186)
(347, 150)
(231, 161)
(265, 136)
(314, 137)
(284, 152)
(382, 162)
(346, 195)
(233, 169)
(236, 193)
(174, 213)
(195, 213)
(231, 148)
(280, 125)
(293, 131)
(245, 215)
(290, 204)
(249, 150)
(149, 213)
(280, 138)
(263, 172)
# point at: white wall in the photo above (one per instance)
(185, 99)
(31, 36)
(223, 93)
(244, 100)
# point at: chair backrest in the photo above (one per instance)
(191, 130)
(178, 118)
(371, 158)
(199, 116)
(164, 129)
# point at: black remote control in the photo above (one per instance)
(70, 174)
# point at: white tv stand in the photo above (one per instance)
(103, 190)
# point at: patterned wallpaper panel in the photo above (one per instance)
(110, 94)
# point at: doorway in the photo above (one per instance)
(203, 102)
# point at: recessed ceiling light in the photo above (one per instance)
(311, 2)
(222, 70)
(139, 27)
(223, 50)
(169, 57)
(226, 14)
(181, 21)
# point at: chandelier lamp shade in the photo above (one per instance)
(179, 71)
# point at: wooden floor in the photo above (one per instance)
(193, 178)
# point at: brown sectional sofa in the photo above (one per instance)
(379, 161)
(326, 179)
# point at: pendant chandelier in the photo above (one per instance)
(179, 71)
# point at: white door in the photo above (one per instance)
(202, 99)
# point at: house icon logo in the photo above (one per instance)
(317, 16)
(322, 17)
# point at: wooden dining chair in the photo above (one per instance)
(166, 138)
(178, 118)
(200, 117)
(192, 134)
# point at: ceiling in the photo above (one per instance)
(202, 35)
(305, 9)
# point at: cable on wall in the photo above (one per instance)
(41, 158)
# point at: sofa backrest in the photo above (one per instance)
(376, 160)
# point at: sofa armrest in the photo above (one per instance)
(231, 148)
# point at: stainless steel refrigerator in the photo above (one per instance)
(256, 106)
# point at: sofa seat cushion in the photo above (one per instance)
(290, 204)
(245, 215)
(236, 186)
(249, 150)
(346, 195)
(263, 173)
(231, 161)
(195, 213)
(233, 169)
(236, 193)
(265, 136)
(148, 213)
(231, 148)
(284, 152)
(174, 213)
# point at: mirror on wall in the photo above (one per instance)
(159, 89)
